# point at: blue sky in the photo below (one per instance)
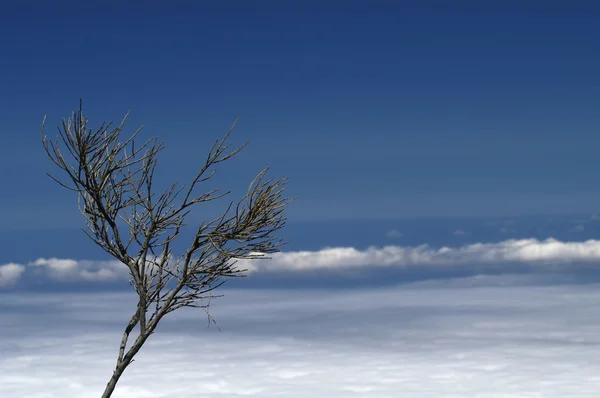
(380, 114)
(373, 111)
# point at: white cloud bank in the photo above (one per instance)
(530, 251)
(418, 342)
(549, 253)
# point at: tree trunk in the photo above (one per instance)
(112, 383)
(123, 363)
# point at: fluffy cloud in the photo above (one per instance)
(529, 251)
(478, 257)
(10, 273)
(68, 269)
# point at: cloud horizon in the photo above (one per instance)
(480, 258)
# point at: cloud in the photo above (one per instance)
(10, 273)
(394, 233)
(420, 341)
(74, 270)
(459, 232)
(533, 254)
(523, 251)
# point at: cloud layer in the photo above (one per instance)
(480, 258)
(413, 341)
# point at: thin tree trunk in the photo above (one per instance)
(125, 359)
(112, 383)
(123, 363)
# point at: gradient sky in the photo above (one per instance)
(374, 110)
(444, 240)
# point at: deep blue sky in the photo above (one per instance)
(373, 110)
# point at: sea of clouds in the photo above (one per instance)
(520, 320)
(497, 336)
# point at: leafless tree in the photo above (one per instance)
(134, 224)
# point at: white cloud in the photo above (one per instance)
(56, 265)
(418, 342)
(10, 273)
(69, 269)
(524, 251)
(459, 232)
(476, 256)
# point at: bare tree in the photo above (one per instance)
(134, 224)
